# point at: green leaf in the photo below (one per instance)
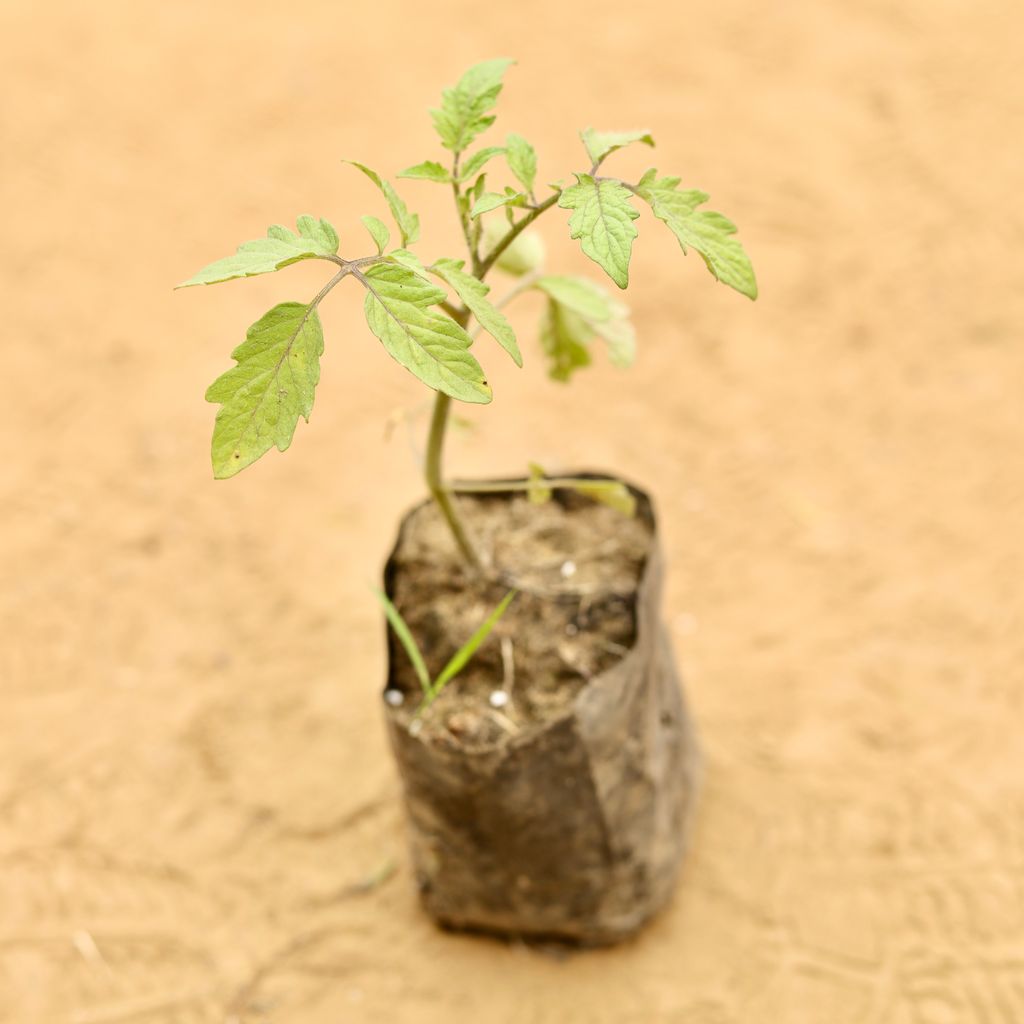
(402, 631)
(600, 144)
(425, 341)
(273, 384)
(706, 231)
(463, 113)
(578, 294)
(429, 170)
(470, 647)
(378, 232)
(613, 493)
(315, 240)
(408, 223)
(473, 293)
(578, 311)
(410, 261)
(522, 160)
(476, 162)
(603, 221)
(492, 200)
(563, 339)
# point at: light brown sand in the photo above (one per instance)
(195, 796)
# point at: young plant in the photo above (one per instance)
(458, 661)
(421, 310)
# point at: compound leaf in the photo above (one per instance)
(473, 293)
(600, 144)
(425, 341)
(603, 222)
(463, 113)
(315, 240)
(273, 384)
(709, 233)
(522, 160)
(408, 223)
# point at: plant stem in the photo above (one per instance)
(433, 469)
(513, 233)
(435, 480)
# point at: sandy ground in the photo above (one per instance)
(199, 821)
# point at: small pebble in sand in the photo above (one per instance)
(568, 569)
(499, 699)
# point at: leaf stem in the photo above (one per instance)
(512, 234)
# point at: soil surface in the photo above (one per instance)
(575, 566)
(199, 820)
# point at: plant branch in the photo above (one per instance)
(513, 233)
(463, 219)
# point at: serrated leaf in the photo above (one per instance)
(429, 170)
(600, 144)
(522, 160)
(273, 385)
(463, 113)
(319, 231)
(425, 341)
(582, 310)
(602, 220)
(709, 233)
(408, 223)
(315, 240)
(378, 232)
(476, 162)
(492, 200)
(473, 293)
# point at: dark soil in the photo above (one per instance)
(575, 564)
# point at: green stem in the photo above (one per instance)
(435, 480)
(433, 468)
(513, 233)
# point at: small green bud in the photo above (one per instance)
(523, 256)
